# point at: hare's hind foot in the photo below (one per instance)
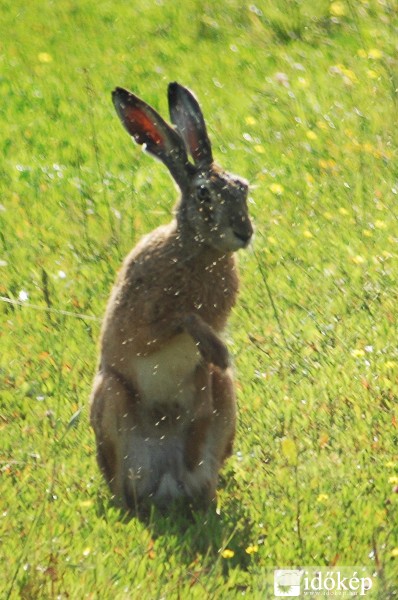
(157, 474)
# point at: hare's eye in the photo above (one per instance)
(203, 194)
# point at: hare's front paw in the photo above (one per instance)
(210, 346)
(217, 353)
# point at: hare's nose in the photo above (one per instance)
(244, 237)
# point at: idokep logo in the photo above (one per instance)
(322, 582)
(287, 582)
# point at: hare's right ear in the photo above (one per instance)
(187, 116)
(148, 128)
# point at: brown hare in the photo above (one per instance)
(163, 400)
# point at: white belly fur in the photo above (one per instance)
(166, 375)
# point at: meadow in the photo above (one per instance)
(300, 98)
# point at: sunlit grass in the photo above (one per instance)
(300, 98)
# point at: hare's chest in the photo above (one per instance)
(213, 301)
(166, 376)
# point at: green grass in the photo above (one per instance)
(300, 98)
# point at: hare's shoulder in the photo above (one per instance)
(150, 273)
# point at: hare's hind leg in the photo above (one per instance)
(120, 452)
(222, 432)
(210, 437)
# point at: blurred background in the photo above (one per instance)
(300, 97)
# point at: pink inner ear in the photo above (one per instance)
(193, 144)
(141, 124)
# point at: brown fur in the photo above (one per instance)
(163, 401)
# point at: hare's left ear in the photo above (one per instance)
(148, 129)
(187, 116)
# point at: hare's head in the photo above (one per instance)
(213, 207)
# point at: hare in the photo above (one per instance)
(163, 401)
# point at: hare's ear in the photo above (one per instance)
(148, 128)
(187, 116)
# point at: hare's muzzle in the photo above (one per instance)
(244, 237)
(242, 229)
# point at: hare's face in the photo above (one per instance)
(213, 207)
(216, 210)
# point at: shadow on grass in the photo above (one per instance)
(207, 533)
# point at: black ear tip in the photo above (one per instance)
(120, 93)
(174, 85)
(173, 89)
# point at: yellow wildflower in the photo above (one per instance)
(327, 163)
(227, 553)
(393, 480)
(321, 125)
(350, 75)
(394, 552)
(277, 189)
(252, 549)
(259, 148)
(322, 498)
(86, 503)
(375, 54)
(358, 260)
(357, 353)
(338, 9)
(390, 364)
(44, 57)
(311, 135)
(250, 120)
(380, 224)
(309, 179)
